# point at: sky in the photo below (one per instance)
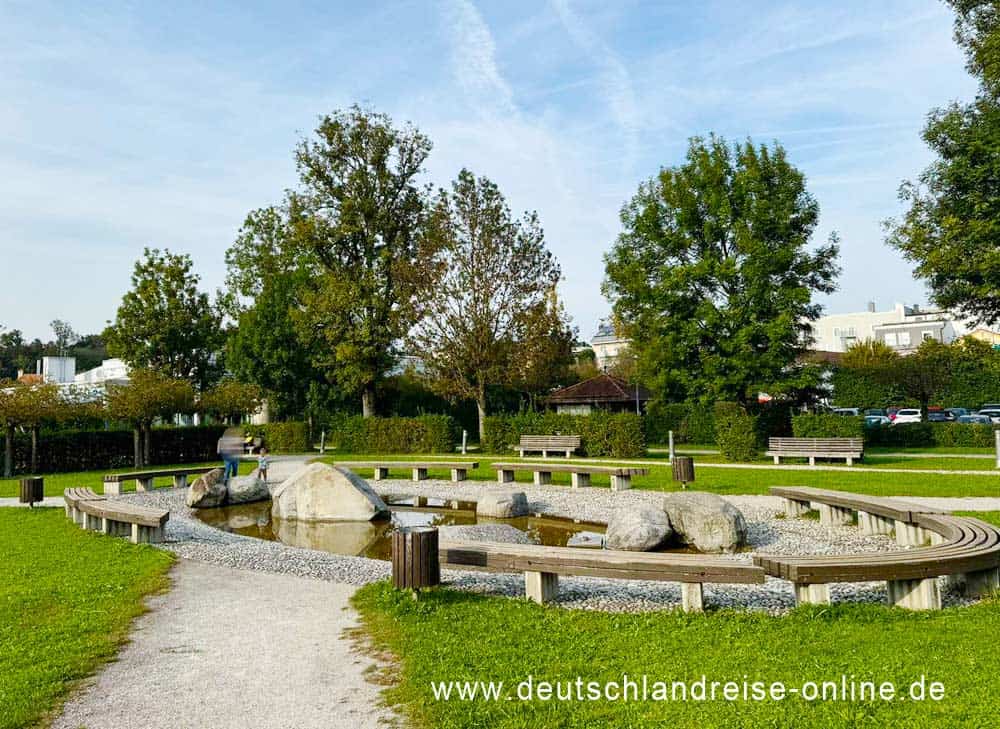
(126, 125)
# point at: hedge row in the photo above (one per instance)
(422, 434)
(289, 437)
(827, 426)
(690, 423)
(601, 434)
(96, 450)
(905, 435)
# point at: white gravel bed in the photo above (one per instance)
(768, 531)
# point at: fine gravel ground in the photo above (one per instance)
(768, 532)
(229, 648)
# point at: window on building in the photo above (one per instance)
(890, 339)
(925, 336)
(904, 339)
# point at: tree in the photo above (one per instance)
(859, 379)
(951, 231)
(147, 396)
(26, 406)
(165, 323)
(923, 375)
(230, 400)
(488, 315)
(359, 214)
(65, 336)
(712, 277)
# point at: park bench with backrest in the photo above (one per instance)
(144, 480)
(621, 476)
(964, 548)
(542, 566)
(850, 449)
(142, 524)
(545, 444)
(459, 469)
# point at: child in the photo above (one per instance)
(262, 463)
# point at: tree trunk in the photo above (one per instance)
(368, 401)
(137, 446)
(8, 452)
(481, 407)
(34, 449)
(147, 445)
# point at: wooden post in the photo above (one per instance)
(415, 561)
(32, 490)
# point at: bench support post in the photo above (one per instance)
(911, 535)
(914, 594)
(833, 515)
(543, 477)
(795, 508)
(872, 524)
(541, 587)
(504, 475)
(113, 487)
(419, 474)
(459, 474)
(818, 594)
(692, 597)
(983, 582)
(579, 479)
(621, 483)
(144, 484)
(381, 472)
(180, 481)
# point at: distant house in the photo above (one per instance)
(603, 392)
(607, 346)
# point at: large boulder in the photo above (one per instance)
(705, 521)
(244, 489)
(318, 492)
(208, 490)
(638, 529)
(502, 504)
(485, 533)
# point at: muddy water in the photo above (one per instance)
(371, 539)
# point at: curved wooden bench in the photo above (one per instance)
(73, 497)
(542, 566)
(621, 477)
(459, 469)
(144, 479)
(142, 524)
(963, 548)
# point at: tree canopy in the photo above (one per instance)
(713, 276)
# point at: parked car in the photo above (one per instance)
(940, 416)
(958, 412)
(906, 415)
(990, 406)
(876, 421)
(876, 411)
(849, 412)
(992, 413)
(975, 419)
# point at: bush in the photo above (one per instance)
(963, 435)
(827, 426)
(735, 432)
(905, 435)
(289, 437)
(422, 434)
(601, 434)
(690, 423)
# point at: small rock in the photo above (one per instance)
(208, 490)
(706, 521)
(244, 489)
(638, 529)
(502, 504)
(486, 533)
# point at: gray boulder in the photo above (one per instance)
(208, 490)
(705, 521)
(318, 492)
(244, 489)
(638, 529)
(485, 533)
(502, 504)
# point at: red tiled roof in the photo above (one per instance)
(602, 388)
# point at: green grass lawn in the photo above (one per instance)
(746, 481)
(56, 483)
(448, 635)
(67, 598)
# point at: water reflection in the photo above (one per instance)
(371, 538)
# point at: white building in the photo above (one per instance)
(607, 346)
(903, 328)
(110, 370)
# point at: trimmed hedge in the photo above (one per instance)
(690, 423)
(289, 437)
(422, 434)
(95, 450)
(827, 426)
(963, 435)
(904, 435)
(601, 434)
(735, 432)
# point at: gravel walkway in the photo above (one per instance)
(229, 649)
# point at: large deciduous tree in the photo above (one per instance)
(147, 396)
(713, 276)
(951, 231)
(489, 318)
(359, 213)
(165, 323)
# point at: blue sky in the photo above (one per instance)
(132, 124)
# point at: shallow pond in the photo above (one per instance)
(372, 538)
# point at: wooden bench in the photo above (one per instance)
(542, 566)
(144, 479)
(459, 469)
(621, 477)
(72, 498)
(963, 548)
(850, 449)
(545, 444)
(142, 524)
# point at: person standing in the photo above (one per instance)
(230, 447)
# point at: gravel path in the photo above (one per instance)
(229, 649)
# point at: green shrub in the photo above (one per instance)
(290, 437)
(691, 423)
(827, 426)
(422, 434)
(963, 435)
(735, 432)
(905, 435)
(601, 434)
